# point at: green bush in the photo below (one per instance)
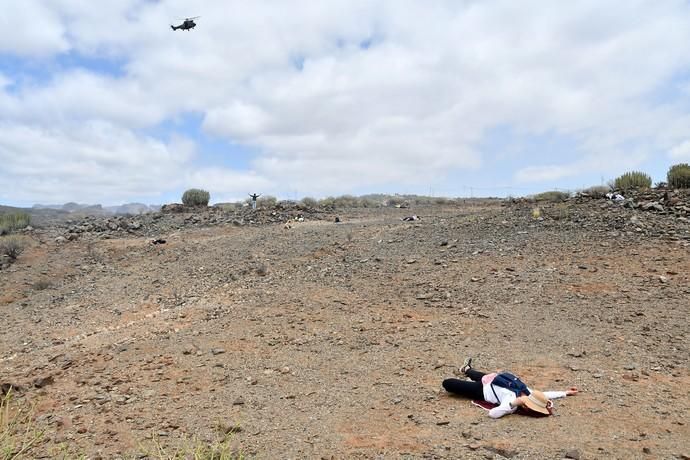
(597, 191)
(633, 179)
(267, 201)
(308, 202)
(196, 197)
(679, 176)
(14, 221)
(346, 201)
(12, 246)
(328, 202)
(553, 196)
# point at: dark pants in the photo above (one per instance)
(473, 389)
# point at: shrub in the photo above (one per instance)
(368, 203)
(18, 431)
(328, 202)
(267, 201)
(14, 221)
(345, 201)
(395, 201)
(308, 202)
(196, 197)
(633, 179)
(679, 176)
(597, 191)
(552, 196)
(12, 246)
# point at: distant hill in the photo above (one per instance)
(97, 209)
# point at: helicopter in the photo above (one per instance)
(187, 24)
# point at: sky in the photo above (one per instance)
(101, 102)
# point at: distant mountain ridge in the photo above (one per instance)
(97, 209)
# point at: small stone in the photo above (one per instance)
(572, 453)
(238, 402)
(646, 450)
(630, 367)
(43, 381)
(285, 370)
(217, 351)
(663, 279)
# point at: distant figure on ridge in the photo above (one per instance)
(254, 197)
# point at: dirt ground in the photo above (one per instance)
(330, 340)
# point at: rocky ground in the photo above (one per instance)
(324, 340)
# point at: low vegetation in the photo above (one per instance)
(678, 176)
(196, 197)
(18, 431)
(633, 180)
(267, 201)
(195, 449)
(14, 221)
(308, 202)
(597, 191)
(553, 196)
(12, 246)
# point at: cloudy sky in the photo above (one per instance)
(101, 102)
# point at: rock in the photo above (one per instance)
(60, 240)
(572, 453)
(217, 351)
(507, 453)
(630, 367)
(5, 388)
(43, 381)
(285, 370)
(646, 450)
(238, 401)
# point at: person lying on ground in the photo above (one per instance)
(505, 390)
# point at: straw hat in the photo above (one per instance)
(538, 402)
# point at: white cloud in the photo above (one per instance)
(100, 162)
(226, 185)
(325, 114)
(29, 28)
(681, 151)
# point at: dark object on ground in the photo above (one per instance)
(337, 219)
(5, 388)
(158, 241)
(43, 381)
(410, 218)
